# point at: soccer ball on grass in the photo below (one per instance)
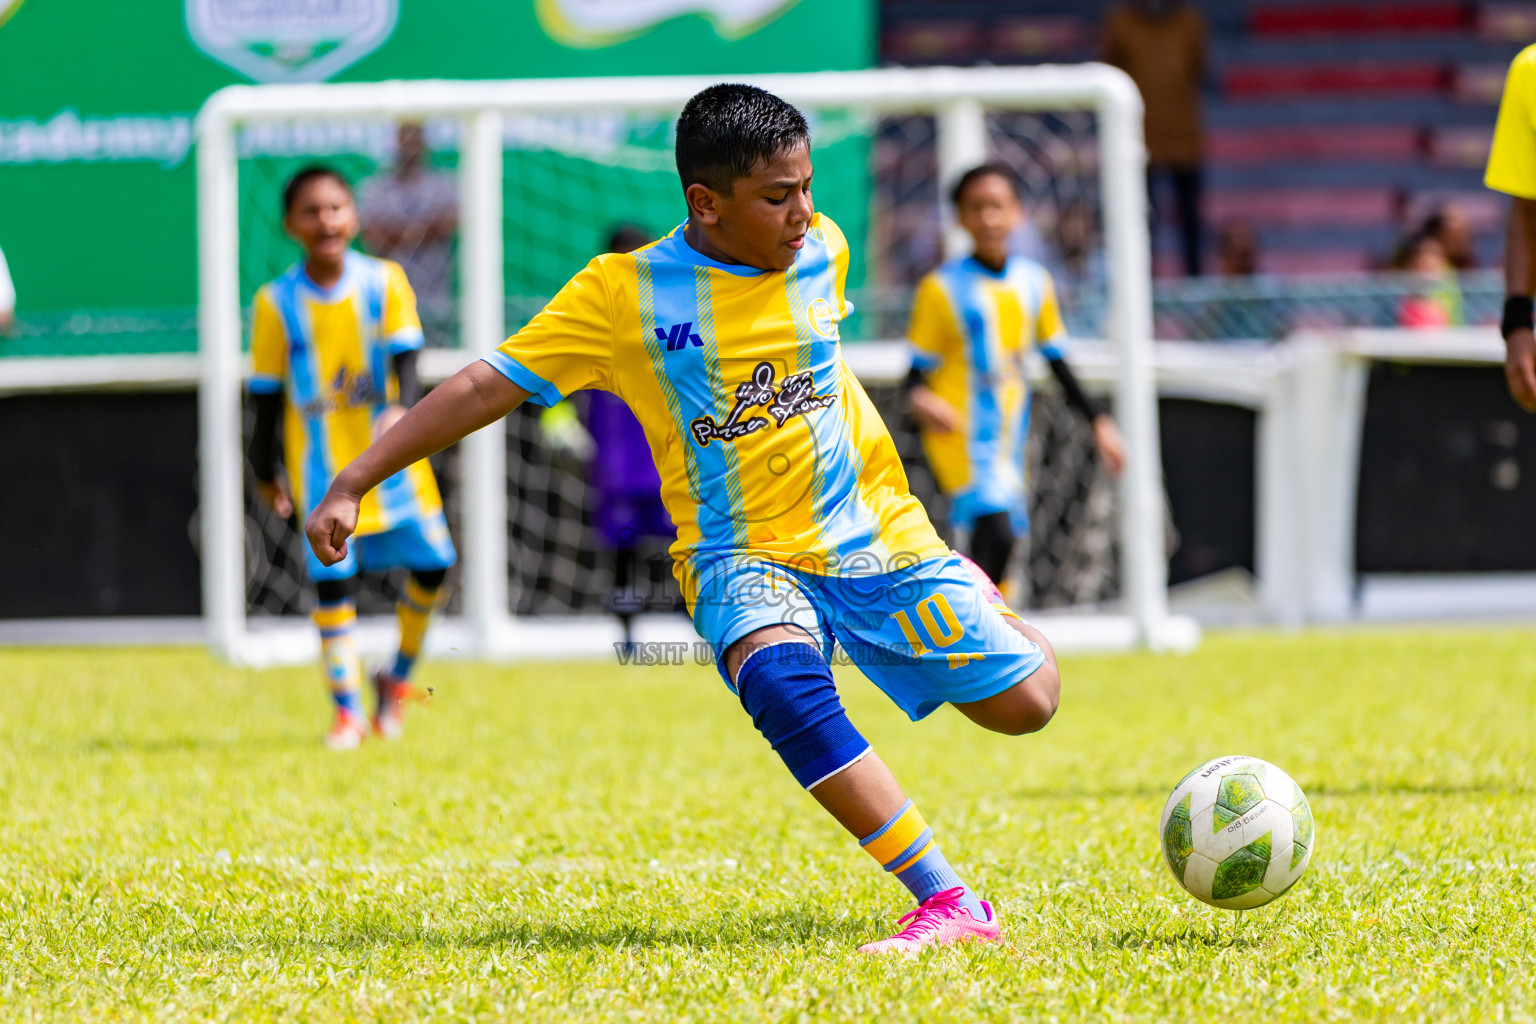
(1237, 832)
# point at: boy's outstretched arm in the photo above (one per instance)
(472, 398)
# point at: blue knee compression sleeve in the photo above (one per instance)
(787, 689)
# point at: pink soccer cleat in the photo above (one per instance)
(347, 731)
(392, 693)
(939, 920)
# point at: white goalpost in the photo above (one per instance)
(957, 99)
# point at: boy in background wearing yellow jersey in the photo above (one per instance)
(973, 319)
(334, 344)
(795, 526)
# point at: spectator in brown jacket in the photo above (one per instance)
(1161, 45)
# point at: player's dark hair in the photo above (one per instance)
(726, 131)
(304, 177)
(975, 174)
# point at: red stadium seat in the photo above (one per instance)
(1335, 19)
(1331, 260)
(1338, 143)
(1302, 206)
(1412, 77)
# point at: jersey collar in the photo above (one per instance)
(343, 285)
(677, 247)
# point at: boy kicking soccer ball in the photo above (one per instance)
(973, 319)
(795, 526)
(334, 344)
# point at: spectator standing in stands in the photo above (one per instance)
(1161, 44)
(1512, 170)
(411, 215)
(7, 297)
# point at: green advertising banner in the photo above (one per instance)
(97, 203)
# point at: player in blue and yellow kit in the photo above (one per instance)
(334, 342)
(795, 526)
(973, 320)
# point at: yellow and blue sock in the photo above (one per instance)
(904, 846)
(414, 611)
(337, 623)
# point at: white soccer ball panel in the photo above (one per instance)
(1278, 786)
(1217, 844)
(1267, 819)
(1279, 875)
(1199, 873)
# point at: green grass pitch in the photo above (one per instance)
(560, 842)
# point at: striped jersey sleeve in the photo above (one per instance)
(568, 347)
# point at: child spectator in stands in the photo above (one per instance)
(1437, 303)
(1237, 249)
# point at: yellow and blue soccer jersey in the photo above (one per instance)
(767, 446)
(329, 351)
(1512, 161)
(971, 327)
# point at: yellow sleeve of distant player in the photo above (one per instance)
(269, 347)
(932, 328)
(401, 326)
(1512, 161)
(567, 347)
(1049, 327)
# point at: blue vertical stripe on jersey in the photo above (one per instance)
(798, 300)
(704, 303)
(675, 301)
(372, 327)
(645, 302)
(398, 500)
(308, 394)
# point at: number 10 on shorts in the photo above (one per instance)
(939, 622)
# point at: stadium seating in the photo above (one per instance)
(1338, 18)
(1332, 124)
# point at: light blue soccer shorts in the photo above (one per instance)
(927, 635)
(422, 545)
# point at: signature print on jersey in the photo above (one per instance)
(795, 397)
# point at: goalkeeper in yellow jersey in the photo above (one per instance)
(333, 346)
(973, 320)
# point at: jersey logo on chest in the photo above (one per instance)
(794, 397)
(678, 336)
